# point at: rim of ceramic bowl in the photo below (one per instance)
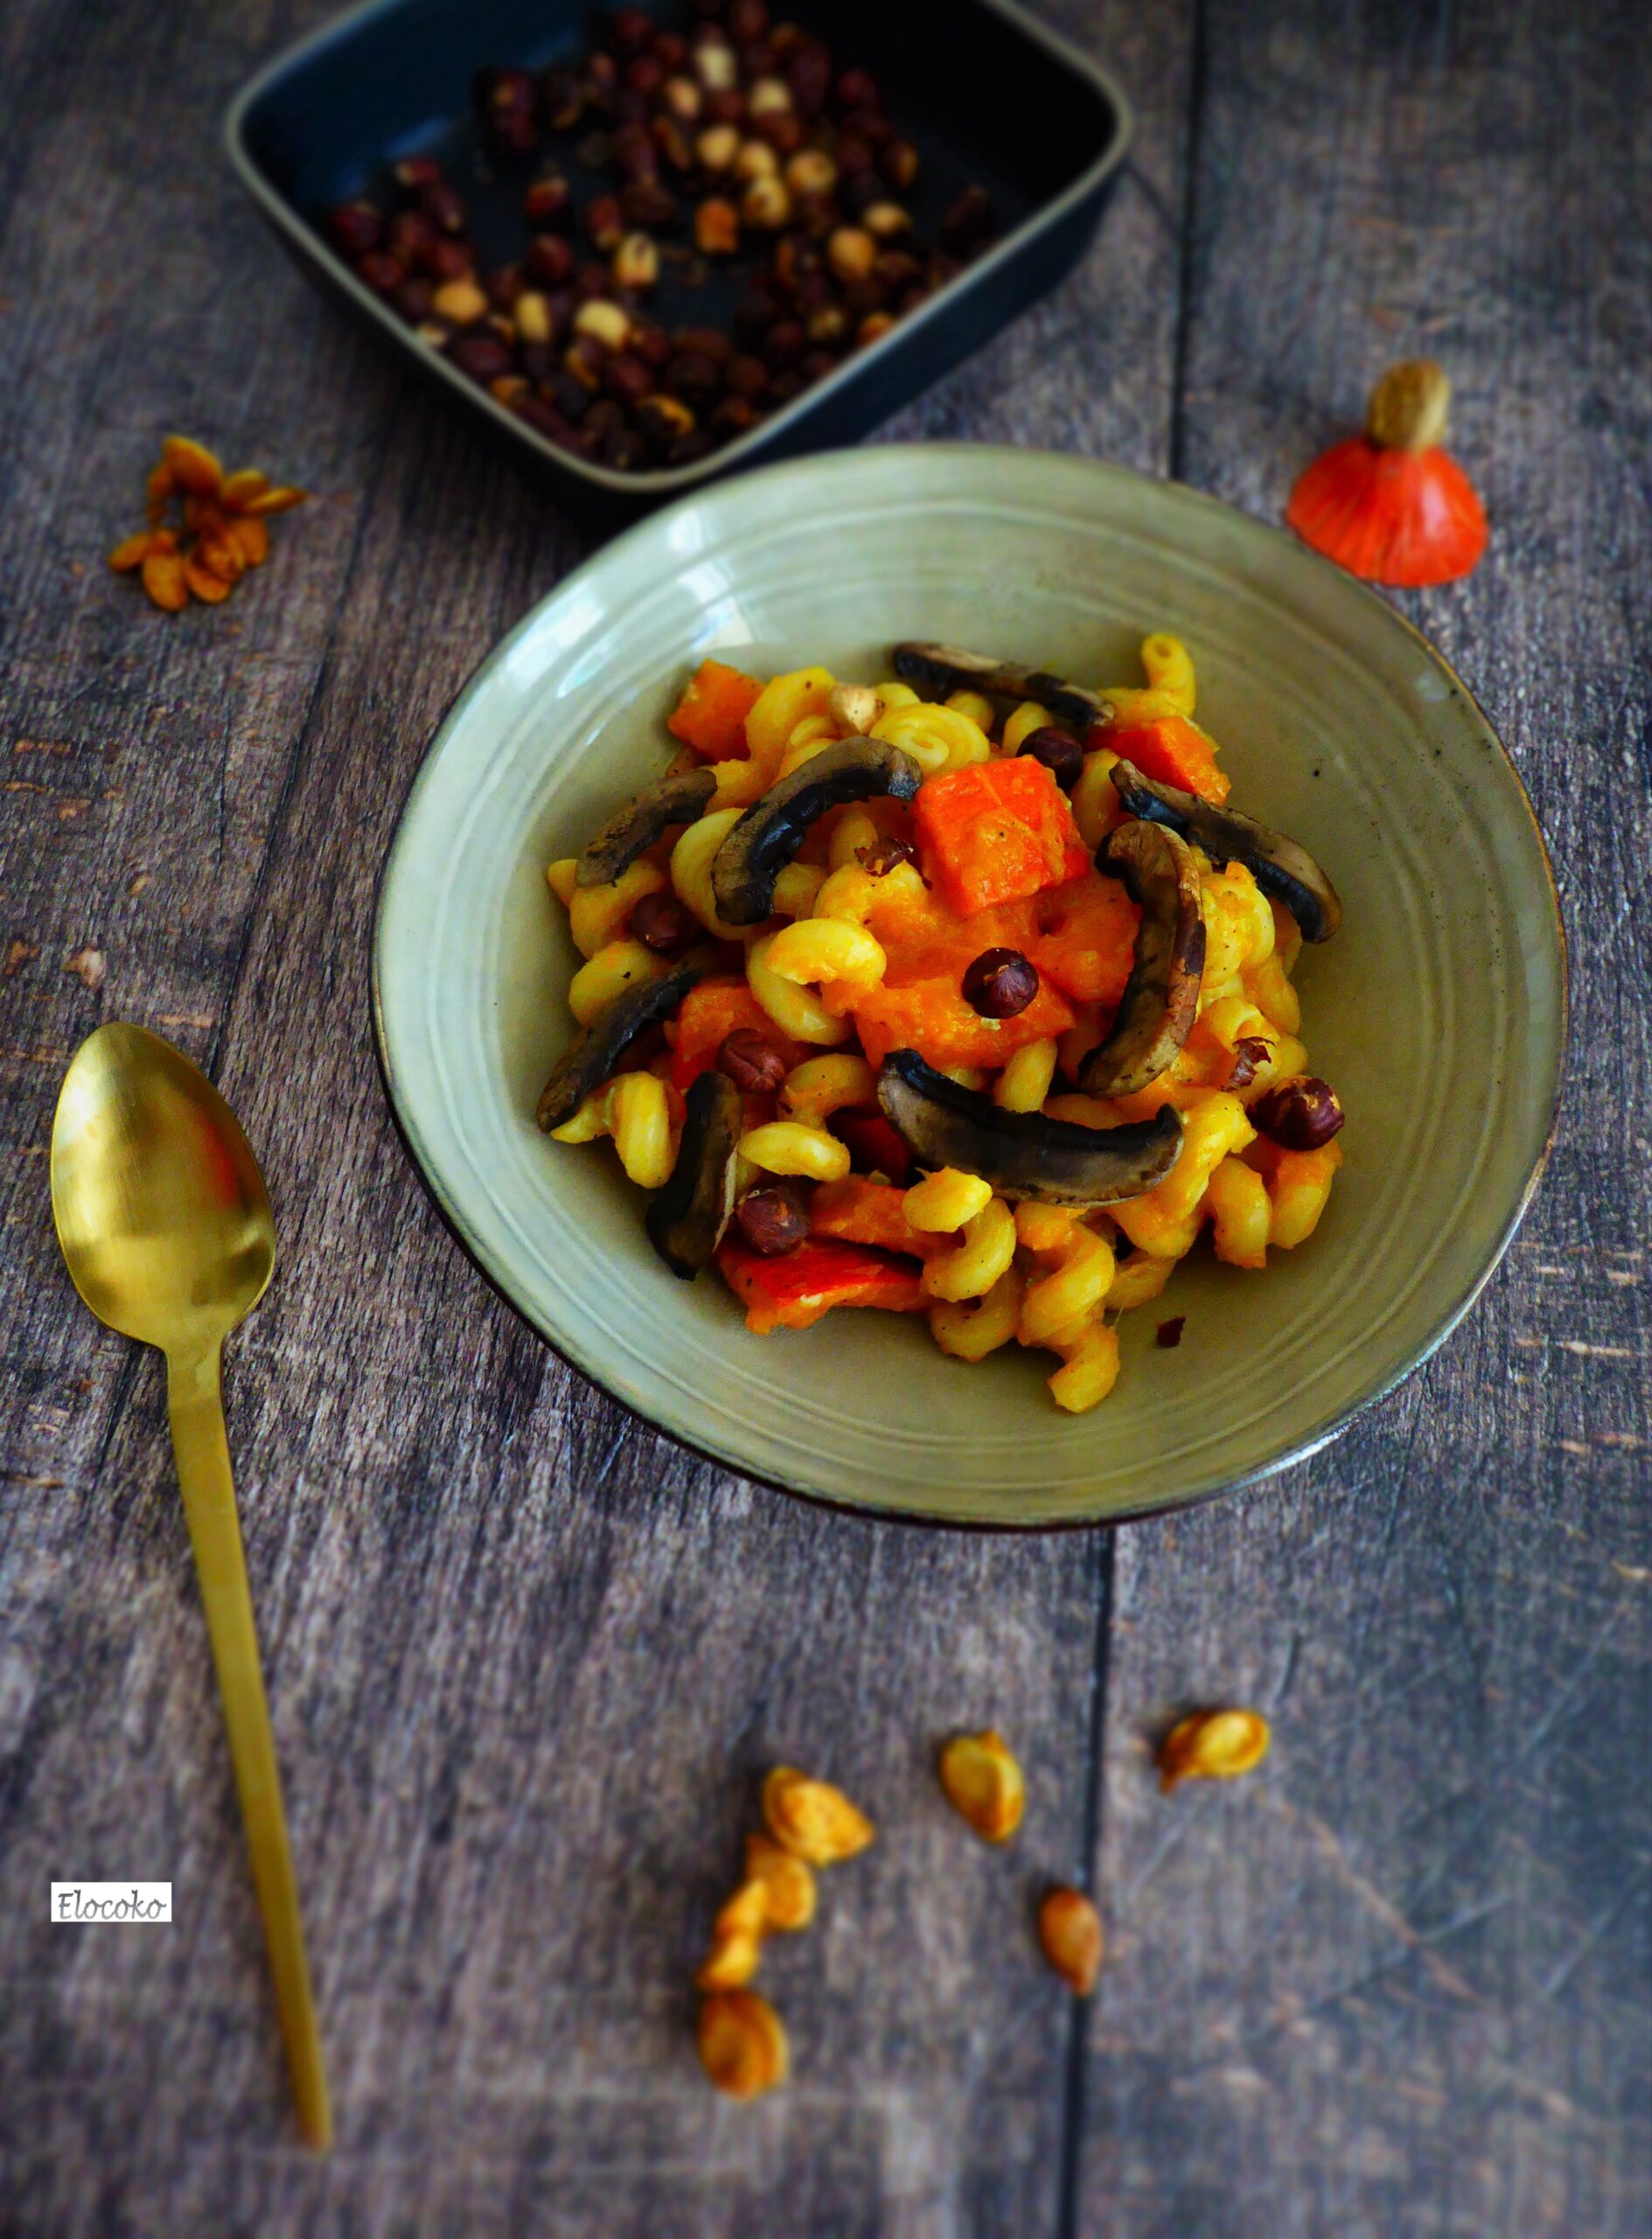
(1301, 1449)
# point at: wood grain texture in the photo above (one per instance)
(1399, 1982)
(527, 1660)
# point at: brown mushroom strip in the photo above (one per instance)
(687, 1220)
(678, 800)
(940, 669)
(1161, 1000)
(744, 868)
(1023, 1154)
(591, 1059)
(1280, 866)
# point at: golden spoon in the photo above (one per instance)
(165, 1224)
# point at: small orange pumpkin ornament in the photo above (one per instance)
(1391, 505)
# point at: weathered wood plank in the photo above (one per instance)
(527, 1659)
(1400, 1981)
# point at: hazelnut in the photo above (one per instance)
(461, 301)
(783, 345)
(746, 376)
(809, 75)
(549, 260)
(673, 143)
(968, 221)
(1300, 1114)
(561, 98)
(381, 271)
(532, 312)
(628, 379)
(873, 328)
(879, 857)
(410, 236)
(1000, 983)
(714, 66)
(811, 171)
(1250, 1053)
(508, 388)
(629, 31)
(717, 146)
(767, 95)
(415, 171)
(1070, 1933)
(850, 252)
(503, 286)
(548, 201)
(683, 99)
(442, 205)
(747, 20)
(645, 74)
(782, 130)
(755, 159)
(356, 226)
(857, 88)
(633, 152)
(604, 322)
(716, 227)
(900, 164)
(647, 205)
(583, 361)
(766, 205)
(662, 922)
(483, 357)
(885, 220)
(726, 108)
(688, 450)
(828, 328)
(1058, 751)
(604, 222)
(635, 262)
(414, 299)
(771, 1222)
(664, 420)
(753, 1062)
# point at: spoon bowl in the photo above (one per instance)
(160, 1208)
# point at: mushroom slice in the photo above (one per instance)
(644, 818)
(1023, 1154)
(687, 1218)
(1281, 869)
(590, 1060)
(1161, 1000)
(941, 669)
(744, 868)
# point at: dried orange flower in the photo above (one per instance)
(224, 514)
(984, 1783)
(1213, 1746)
(743, 2046)
(813, 1819)
(1069, 1931)
(788, 1883)
(731, 1962)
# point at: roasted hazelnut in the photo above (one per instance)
(809, 75)
(766, 96)
(604, 222)
(512, 135)
(381, 271)
(602, 74)
(583, 361)
(727, 107)
(856, 156)
(781, 130)
(548, 201)
(968, 221)
(881, 856)
(662, 922)
(532, 312)
(897, 270)
(716, 227)
(901, 164)
(785, 385)
(772, 1221)
(410, 236)
(1058, 751)
(710, 341)
(629, 31)
(648, 205)
(753, 1062)
(635, 262)
(755, 159)
(664, 420)
(811, 171)
(1300, 1114)
(691, 376)
(827, 329)
(675, 146)
(603, 417)
(1000, 983)
(746, 376)
(461, 300)
(644, 74)
(785, 344)
(414, 299)
(607, 324)
(857, 88)
(591, 280)
(633, 153)
(859, 191)
(548, 260)
(356, 226)
(1250, 1053)
(503, 286)
(651, 344)
(873, 328)
(443, 205)
(412, 172)
(870, 124)
(493, 91)
(570, 397)
(766, 205)
(544, 419)
(672, 48)
(683, 99)
(886, 220)
(713, 64)
(483, 357)
(734, 415)
(628, 106)
(628, 379)
(626, 451)
(561, 98)
(746, 19)
(850, 252)
(508, 388)
(717, 146)
(435, 333)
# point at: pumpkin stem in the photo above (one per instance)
(1408, 406)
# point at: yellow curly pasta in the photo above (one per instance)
(1088, 1371)
(936, 738)
(944, 1200)
(1096, 808)
(970, 1329)
(1025, 1081)
(691, 861)
(596, 913)
(560, 877)
(1169, 667)
(795, 1009)
(1074, 1288)
(635, 1109)
(787, 1146)
(1243, 1214)
(985, 1251)
(1022, 721)
(976, 706)
(606, 976)
(820, 1087)
(818, 952)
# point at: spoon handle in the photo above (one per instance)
(197, 1411)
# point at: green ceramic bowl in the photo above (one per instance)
(1438, 1011)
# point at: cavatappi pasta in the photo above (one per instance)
(962, 886)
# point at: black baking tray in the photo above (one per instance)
(990, 96)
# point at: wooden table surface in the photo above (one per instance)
(527, 1659)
